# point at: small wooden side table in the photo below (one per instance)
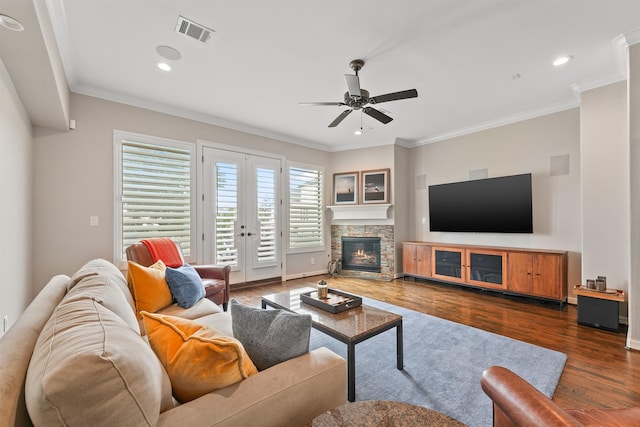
(383, 413)
(600, 309)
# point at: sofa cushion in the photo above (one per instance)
(101, 267)
(103, 290)
(149, 287)
(204, 307)
(270, 336)
(197, 358)
(90, 368)
(185, 285)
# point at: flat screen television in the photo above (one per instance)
(490, 205)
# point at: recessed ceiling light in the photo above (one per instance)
(10, 23)
(164, 66)
(562, 60)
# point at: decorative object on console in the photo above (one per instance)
(375, 186)
(345, 188)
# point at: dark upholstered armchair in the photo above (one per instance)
(215, 278)
(518, 403)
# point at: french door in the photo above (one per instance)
(242, 208)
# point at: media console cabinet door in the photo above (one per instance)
(449, 264)
(547, 279)
(487, 268)
(520, 272)
(416, 259)
(409, 258)
(536, 274)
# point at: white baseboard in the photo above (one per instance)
(633, 344)
(305, 274)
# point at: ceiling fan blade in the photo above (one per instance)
(309, 104)
(411, 93)
(340, 118)
(378, 115)
(353, 83)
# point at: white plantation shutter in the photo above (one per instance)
(266, 208)
(226, 212)
(305, 208)
(156, 192)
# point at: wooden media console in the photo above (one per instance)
(529, 272)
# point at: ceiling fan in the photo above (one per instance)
(357, 98)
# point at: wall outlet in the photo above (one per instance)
(313, 261)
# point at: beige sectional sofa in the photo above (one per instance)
(76, 357)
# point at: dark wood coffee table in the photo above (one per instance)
(351, 326)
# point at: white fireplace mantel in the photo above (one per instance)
(372, 211)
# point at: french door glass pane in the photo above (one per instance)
(226, 213)
(266, 208)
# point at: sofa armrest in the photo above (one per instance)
(518, 403)
(290, 393)
(16, 347)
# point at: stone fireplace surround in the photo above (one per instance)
(387, 248)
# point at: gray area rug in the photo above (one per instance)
(443, 363)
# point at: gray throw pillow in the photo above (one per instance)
(270, 336)
(185, 285)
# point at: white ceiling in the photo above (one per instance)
(267, 56)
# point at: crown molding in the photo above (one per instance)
(199, 117)
(502, 121)
(631, 37)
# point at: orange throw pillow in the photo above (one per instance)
(198, 359)
(149, 287)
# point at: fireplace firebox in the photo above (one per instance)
(361, 253)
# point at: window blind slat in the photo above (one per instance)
(156, 193)
(306, 215)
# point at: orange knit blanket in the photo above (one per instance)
(164, 249)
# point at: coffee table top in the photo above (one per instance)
(352, 325)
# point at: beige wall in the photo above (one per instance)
(633, 336)
(524, 147)
(74, 179)
(16, 193)
(403, 201)
(604, 162)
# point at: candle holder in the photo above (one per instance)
(323, 290)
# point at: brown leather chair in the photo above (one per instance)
(215, 278)
(518, 403)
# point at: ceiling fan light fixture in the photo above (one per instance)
(358, 132)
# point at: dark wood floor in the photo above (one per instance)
(599, 371)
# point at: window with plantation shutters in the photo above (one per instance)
(156, 196)
(306, 217)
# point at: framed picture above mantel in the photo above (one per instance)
(375, 186)
(345, 188)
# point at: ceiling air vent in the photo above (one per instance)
(192, 29)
